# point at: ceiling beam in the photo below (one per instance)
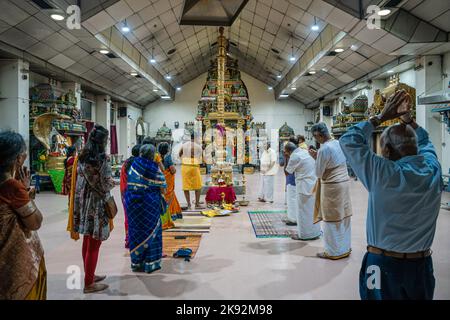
(67, 76)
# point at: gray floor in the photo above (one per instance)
(231, 262)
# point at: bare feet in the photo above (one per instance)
(95, 287)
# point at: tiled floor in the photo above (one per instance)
(231, 262)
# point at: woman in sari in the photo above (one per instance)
(173, 206)
(123, 185)
(22, 266)
(68, 166)
(91, 185)
(144, 205)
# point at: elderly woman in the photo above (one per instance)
(22, 266)
(144, 204)
(90, 190)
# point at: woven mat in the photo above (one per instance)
(269, 224)
(171, 244)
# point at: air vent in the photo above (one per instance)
(43, 4)
(275, 51)
(313, 88)
(111, 55)
(171, 51)
(392, 3)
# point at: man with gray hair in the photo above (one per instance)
(333, 205)
(405, 188)
(302, 165)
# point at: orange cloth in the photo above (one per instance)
(170, 196)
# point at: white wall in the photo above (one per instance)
(264, 107)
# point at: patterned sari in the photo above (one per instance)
(23, 274)
(144, 205)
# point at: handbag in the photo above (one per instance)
(111, 207)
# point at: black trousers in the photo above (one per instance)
(387, 278)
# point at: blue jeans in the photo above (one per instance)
(387, 278)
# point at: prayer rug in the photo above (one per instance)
(270, 224)
(174, 241)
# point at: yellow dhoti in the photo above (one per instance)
(192, 179)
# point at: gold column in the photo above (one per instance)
(221, 62)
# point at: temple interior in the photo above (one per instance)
(258, 70)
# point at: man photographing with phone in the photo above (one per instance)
(405, 188)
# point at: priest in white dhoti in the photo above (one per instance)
(333, 205)
(268, 169)
(302, 165)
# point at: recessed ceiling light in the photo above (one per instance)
(152, 60)
(338, 50)
(165, 97)
(57, 17)
(294, 88)
(292, 58)
(354, 47)
(155, 90)
(279, 76)
(390, 71)
(312, 72)
(270, 88)
(384, 12)
(315, 27)
(133, 73)
(324, 70)
(125, 27)
(179, 89)
(284, 95)
(104, 51)
(168, 77)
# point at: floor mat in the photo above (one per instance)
(174, 241)
(269, 224)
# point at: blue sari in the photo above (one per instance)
(144, 204)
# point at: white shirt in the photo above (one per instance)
(303, 166)
(269, 157)
(329, 156)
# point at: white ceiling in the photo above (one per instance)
(261, 38)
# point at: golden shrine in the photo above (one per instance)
(224, 104)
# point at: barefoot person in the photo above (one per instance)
(333, 205)
(404, 199)
(91, 185)
(191, 158)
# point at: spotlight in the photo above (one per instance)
(57, 17)
(179, 89)
(125, 27)
(279, 76)
(292, 58)
(104, 51)
(155, 90)
(168, 77)
(294, 88)
(270, 88)
(133, 73)
(390, 71)
(152, 60)
(312, 72)
(339, 50)
(384, 12)
(315, 27)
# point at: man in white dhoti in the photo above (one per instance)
(333, 205)
(303, 166)
(268, 170)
